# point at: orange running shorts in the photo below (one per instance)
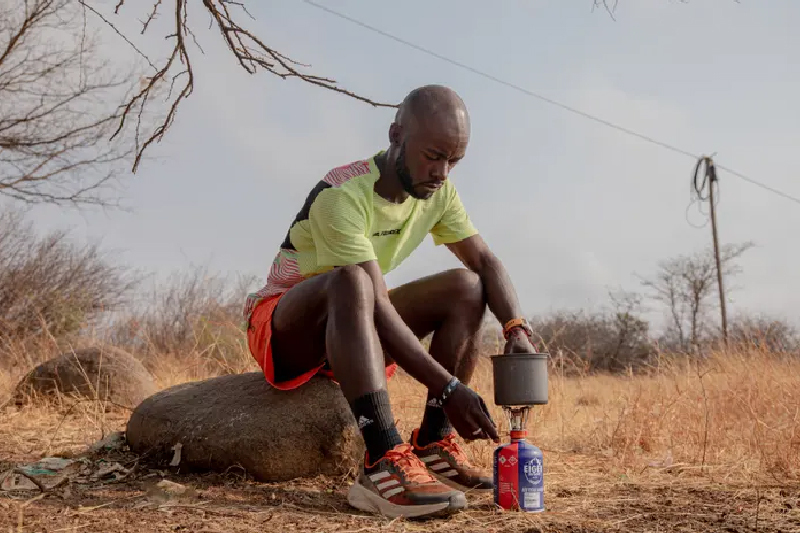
(259, 336)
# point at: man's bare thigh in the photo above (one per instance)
(300, 319)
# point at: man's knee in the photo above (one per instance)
(350, 282)
(467, 289)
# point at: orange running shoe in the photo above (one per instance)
(398, 484)
(447, 461)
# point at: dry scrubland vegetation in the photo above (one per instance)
(634, 437)
(643, 432)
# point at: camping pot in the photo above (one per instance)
(520, 379)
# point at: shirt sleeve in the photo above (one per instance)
(454, 224)
(339, 229)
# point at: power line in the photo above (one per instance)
(533, 94)
(759, 184)
(503, 82)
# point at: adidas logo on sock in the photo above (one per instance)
(363, 422)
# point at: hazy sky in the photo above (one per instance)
(571, 206)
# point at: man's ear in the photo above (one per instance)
(395, 134)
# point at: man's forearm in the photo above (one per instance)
(500, 294)
(405, 348)
(398, 339)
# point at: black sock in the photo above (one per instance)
(373, 414)
(435, 425)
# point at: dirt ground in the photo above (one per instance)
(582, 495)
(605, 443)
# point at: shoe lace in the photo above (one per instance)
(412, 467)
(450, 445)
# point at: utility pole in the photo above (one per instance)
(711, 175)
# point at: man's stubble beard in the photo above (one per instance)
(404, 174)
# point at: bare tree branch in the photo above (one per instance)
(70, 124)
(610, 8)
(57, 107)
(250, 51)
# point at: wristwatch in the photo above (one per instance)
(515, 323)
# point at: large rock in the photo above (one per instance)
(241, 421)
(102, 373)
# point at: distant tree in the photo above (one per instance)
(687, 285)
(59, 106)
(612, 340)
(632, 331)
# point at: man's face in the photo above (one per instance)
(428, 152)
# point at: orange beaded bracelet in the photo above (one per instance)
(516, 323)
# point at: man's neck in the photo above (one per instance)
(388, 185)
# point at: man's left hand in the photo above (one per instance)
(518, 342)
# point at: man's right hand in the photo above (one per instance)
(468, 414)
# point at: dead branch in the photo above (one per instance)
(250, 51)
(57, 107)
(610, 8)
(64, 114)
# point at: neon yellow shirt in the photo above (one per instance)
(345, 222)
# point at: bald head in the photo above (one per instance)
(433, 106)
(428, 137)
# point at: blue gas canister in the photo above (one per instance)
(519, 475)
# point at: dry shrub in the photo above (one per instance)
(56, 296)
(50, 289)
(733, 416)
(189, 326)
(730, 414)
(734, 413)
(580, 342)
(764, 333)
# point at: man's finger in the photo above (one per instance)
(491, 431)
(489, 425)
(486, 411)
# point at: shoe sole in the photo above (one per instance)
(458, 486)
(363, 499)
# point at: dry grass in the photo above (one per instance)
(734, 417)
(689, 447)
